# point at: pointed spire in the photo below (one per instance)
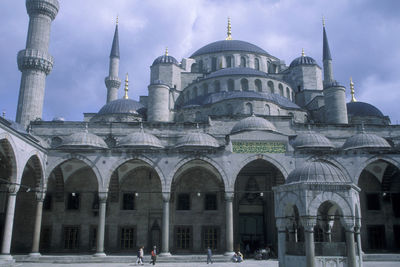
(302, 52)
(353, 99)
(166, 51)
(229, 32)
(126, 87)
(115, 44)
(326, 50)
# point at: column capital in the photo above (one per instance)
(229, 196)
(40, 195)
(166, 196)
(308, 222)
(12, 189)
(348, 223)
(103, 197)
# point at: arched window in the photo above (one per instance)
(200, 65)
(228, 61)
(205, 89)
(217, 87)
(271, 87)
(229, 109)
(287, 92)
(280, 89)
(248, 109)
(242, 62)
(257, 64)
(231, 85)
(195, 92)
(194, 67)
(245, 84)
(214, 64)
(258, 85)
(267, 110)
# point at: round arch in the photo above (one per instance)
(145, 160)
(215, 169)
(344, 207)
(8, 141)
(364, 164)
(39, 163)
(290, 199)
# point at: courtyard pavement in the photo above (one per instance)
(248, 263)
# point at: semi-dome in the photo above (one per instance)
(317, 172)
(197, 139)
(83, 140)
(303, 60)
(165, 59)
(121, 106)
(362, 109)
(365, 140)
(253, 123)
(229, 45)
(140, 140)
(312, 140)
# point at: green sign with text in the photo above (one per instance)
(258, 147)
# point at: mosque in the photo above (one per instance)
(231, 149)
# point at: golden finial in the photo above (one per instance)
(229, 30)
(166, 51)
(117, 20)
(323, 21)
(126, 87)
(353, 99)
(302, 52)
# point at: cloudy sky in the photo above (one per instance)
(364, 37)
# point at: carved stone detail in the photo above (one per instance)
(44, 7)
(35, 59)
(112, 82)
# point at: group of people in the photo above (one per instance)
(140, 255)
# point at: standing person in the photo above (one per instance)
(209, 255)
(141, 255)
(153, 255)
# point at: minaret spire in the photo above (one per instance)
(126, 87)
(326, 58)
(353, 99)
(112, 81)
(229, 32)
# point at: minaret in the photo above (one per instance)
(112, 81)
(34, 61)
(334, 94)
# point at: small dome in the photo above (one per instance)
(362, 109)
(253, 123)
(317, 172)
(364, 140)
(164, 59)
(121, 106)
(140, 140)
(58, 119)
(197, 139)
(83, 140)
(303, 60)
(229, 45)
(312, 140)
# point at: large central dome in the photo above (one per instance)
(229, 45)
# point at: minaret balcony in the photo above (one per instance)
(44, 7)
(35, 59)
(112, 82)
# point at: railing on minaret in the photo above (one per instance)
(34, 61)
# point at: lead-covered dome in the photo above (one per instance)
(365, 140)
(197, 139)
(121, 106)
(312, 140)
(317, 171)
(363, 109)
(253, 123)
(303, 60)
(140, 140)
(165, 59)
(83, 140)
(229, 45)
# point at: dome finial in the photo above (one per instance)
(353, 99)
(126, 87)
(166, 51)
(302, 52)
(323, 21)
(116, 21)
(229, 37)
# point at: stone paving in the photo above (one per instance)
(248, 263)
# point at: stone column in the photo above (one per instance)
(38, 224)
(281, 226)
(9, 223)
(165, 225)
(351, 248)
(229, 222)
(327, 228)
(292, 227)
(358, 238)
(308, 224)
(102, 224)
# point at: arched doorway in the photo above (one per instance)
(380, 207)
(197, 209)
(70, 209)
(25, 208)
(135, 208)
(254, 216)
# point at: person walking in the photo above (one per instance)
(140, 255)
(209, 255)
(153, 255)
